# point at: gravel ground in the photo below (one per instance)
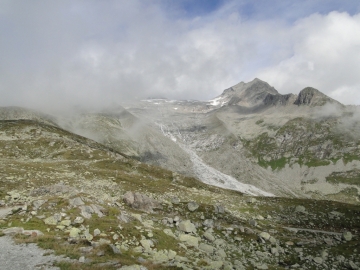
(24, 256)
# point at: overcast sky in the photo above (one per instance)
(55, 54)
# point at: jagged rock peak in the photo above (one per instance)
(255, 85)
(313, 97)
(248, 94)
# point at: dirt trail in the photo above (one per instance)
(24, 256)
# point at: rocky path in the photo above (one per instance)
(4, 211)
(24, 256)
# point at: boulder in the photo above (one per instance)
(347, 236)
(189, 240)
(140, 201)
(192, 206)
(187, 226)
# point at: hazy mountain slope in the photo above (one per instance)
(276, 142)
(104, 210)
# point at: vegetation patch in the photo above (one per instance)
(349, 177)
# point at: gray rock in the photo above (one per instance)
(300, 209)
(74, 232)
(206, 248)
(187, 226)
(353, 266)
(86, 211)
(250, 200)
(219, 209)
(141, 201)
(51, 221)
(265, 235)
(115, 249)
(75, 202)
(38, 203)
(133, 267)
(209, 236)
(347, 236)
(318, 260)
(192, 206)
(97, 232)
(208, 223)
(175, 200)
(79, 220)
(189, 240)
(253, 222)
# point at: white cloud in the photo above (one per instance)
(94, 53)
(326, 56)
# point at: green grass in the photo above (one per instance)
(349, 177)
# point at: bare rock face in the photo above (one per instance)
(140, 201)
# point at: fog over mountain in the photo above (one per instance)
(60, 55)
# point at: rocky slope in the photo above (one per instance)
(104, 210)
(250, 137)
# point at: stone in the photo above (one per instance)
(97, 232)
(115, 249)
(265, 235)
(79, 220)
(88, 236)
(353, 266)
(208, 223)
(50, 221)
(75, 202)
(221, 253)
(187, 226)
(250, 200)
(146, 244)
(318, 260)
(38, 203)
(209, 236)
(132, 267)
(65, 222)
(169, 232)
(215, 265)
(74, 232)
(253, 222)
(219, 209)
(86, 211)
(300, 209)
(160, 256)
(272, 240)
(140, 201)
(175, 200)
(206, 248)
(98, 210)
(82, 259)
(13, 231)
(347, 236)
(189, 240)
(262, 266)
(192, 206)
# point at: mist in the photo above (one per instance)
(75, 55)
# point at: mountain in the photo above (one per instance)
(101, 209)
(250, 138)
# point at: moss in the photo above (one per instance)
(349, 177)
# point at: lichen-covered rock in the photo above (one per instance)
(192, 206)
(189, 240)
(140, 201)
(187, 226)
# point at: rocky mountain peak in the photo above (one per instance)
(313, 97)
(248, 94)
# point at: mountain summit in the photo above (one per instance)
(259, 93)
(248, 94)
(313, 97)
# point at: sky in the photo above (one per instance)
(77, 53)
